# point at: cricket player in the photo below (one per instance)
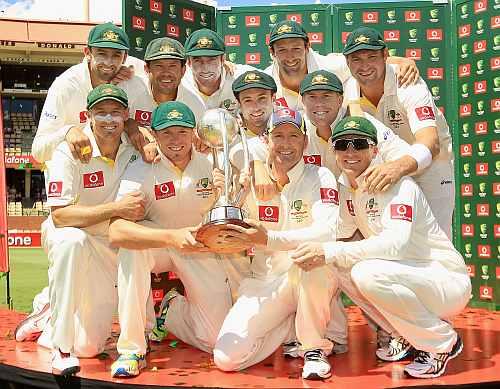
(83, 266)
(405, 268)
(63, 114)
(63, 118)
(279, 295)
(206, 74)
(178, 191)
(293, 58)
(411, 113)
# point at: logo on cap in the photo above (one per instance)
(252, 77)
(319, 79)
(107, 90)
(362, 39)
(167, 49)
(204, 43)
(351, 125)
(174, 115)
(284, 29)
(110, 36)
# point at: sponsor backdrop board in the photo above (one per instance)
(476, 66)
(144, 20)
(246, 30)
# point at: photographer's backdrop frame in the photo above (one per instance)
(451, 46)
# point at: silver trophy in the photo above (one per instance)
(218, 130)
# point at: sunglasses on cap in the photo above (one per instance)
(356, 143)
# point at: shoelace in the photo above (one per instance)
(314, 355)
(396, 345)
(423, 357)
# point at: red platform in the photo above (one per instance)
(178, 365)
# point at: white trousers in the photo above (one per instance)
(208, 279)
(82, 289)
(415, 297)
(264, 315)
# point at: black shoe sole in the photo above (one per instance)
(67, 372)
(316, 377)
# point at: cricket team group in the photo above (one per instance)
(349, 188)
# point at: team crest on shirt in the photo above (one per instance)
(229, 104)
(299, 211)
(372, 209)
(394, 118)
(204, 188)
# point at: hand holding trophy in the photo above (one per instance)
(218, 129)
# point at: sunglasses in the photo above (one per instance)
(356, 143)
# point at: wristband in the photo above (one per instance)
(421, 154)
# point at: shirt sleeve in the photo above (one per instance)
(62, 179)
(397, 221)
(133, 178)
(390, 145)
(52, 126)
(419, 105)
(325, 213)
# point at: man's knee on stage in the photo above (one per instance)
(231, 352)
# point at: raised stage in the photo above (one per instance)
(174, 364)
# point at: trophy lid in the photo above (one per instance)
(211, 128)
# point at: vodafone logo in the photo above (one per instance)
(480, 6)
(482, 168)
(481, 128)
(402, 212)
(468, 230)
(345, 34)
(269, 213)
(315, 37)
(156, 6)
(24, 239)
(495, 63)
(252, 21)
(313, 159)
(268, 38)
(464, 70)
(496, 188)
(172, 276)
(158, 295)
(484, 251)
(281, 103)
(414, 54)
(466, 150)
(496, 230)
(329, 196)
(425, 113)
(465, 110)
(93, 180)
(466, 190)
(412, 16)
(464, 31)
(294, 18)
(188, 15)
(370, 17)
(391, 35)
(480, 87)
(173, 30)
(435, 73)
(232, 40)
(495, 21)
(350, 207)
(483, 209)
(495, 146)
(485, 292)
(252, 58)
(139, 23)
(434, 34)
(143, 117)
(495, 105)
(83, 116)
(54, 189)
(164, 191)
(471, 270)
(479, 46)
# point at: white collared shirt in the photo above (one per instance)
(397, 225)
(69, 181)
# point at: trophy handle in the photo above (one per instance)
(246, 164)
(227, 166)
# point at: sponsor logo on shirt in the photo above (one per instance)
(93, 180)
(268, 213)
(281, 103)
(425, 113)
(350, 207)
(143, 117)
(164, 190)
(402, 212)
(313, 159)
(55, 189)
(83, 116)
(329, 196)
(50, 116)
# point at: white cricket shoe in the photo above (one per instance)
(30, 328)
(316, 365)
(64, 363)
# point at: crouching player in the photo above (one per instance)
(406, 268)
(82, 265)
(178, 191)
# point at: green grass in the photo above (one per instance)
(28, 276)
